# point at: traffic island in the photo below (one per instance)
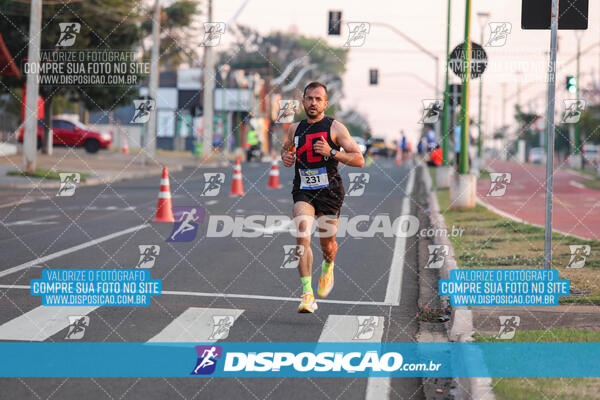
(490, 241)
(463, 191)
(443, 176)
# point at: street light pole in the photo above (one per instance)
(464, 144)
(418, 46)
(31, 92)
(482, 16)
(446, 89)
(208, 88)
(576, 150)
(150, 137)
(550, 135)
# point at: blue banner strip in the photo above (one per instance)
(299, 359)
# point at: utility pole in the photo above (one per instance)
(150, 138)
(464, 140)
(576, 150)
(481, 15)
(31, 106)
(209, 88)
(445, 128)
(550, 136)
(268, 96)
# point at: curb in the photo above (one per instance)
(461, 319)
(90, 181)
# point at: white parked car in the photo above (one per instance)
(537, 155)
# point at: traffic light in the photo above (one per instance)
(571, 84)
(373, 76)
(335, 20)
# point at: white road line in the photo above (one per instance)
(243, 296)
(69, 250)
(394, 286)
(577, 184)
(40, 323)
(34, 221)
(199, 325)
(354, 328)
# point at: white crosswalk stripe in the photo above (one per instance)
(40, 323)
(355, 328)
(198, 324)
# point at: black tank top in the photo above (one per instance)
(312, 163)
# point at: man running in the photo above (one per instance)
(313, 145)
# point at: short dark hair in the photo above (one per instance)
(314, 85)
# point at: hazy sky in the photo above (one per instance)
(396, 103)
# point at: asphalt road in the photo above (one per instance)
(259, 296)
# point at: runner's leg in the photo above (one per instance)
(327, 232)
(303, 216)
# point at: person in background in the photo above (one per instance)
(430, 135)
(436, 156)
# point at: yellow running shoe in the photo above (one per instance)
(308, 304)
(325, 282)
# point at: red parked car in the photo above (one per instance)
(72, 133)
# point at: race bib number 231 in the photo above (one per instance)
(315, 178)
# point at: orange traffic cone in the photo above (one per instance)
(237, 187)
(125, 149)
(164, 209)
(398, 157)
(274, 176)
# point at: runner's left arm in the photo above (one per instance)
(351, 156)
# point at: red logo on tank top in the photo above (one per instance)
(308, 147)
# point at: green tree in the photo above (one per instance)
(251, 51)
(105, 24)
(179, 37)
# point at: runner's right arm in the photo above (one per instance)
(287, 155)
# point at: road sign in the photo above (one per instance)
(335, 21)
(478, 60)
(573, 14)
(455, 94)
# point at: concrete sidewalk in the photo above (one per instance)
(103, 167)
(575, 211)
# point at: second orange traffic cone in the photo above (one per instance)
(237, 186)
(164, 208)
(125, 149)
(274, 176)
